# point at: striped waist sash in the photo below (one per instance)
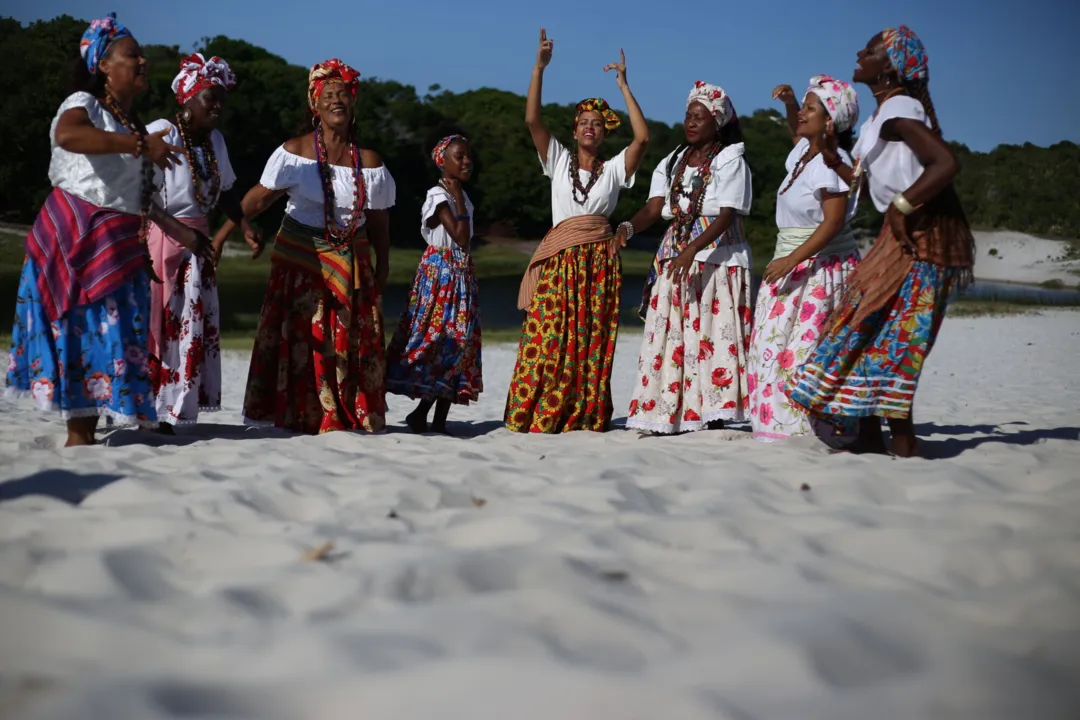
(306, 248)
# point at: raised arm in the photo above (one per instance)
(636, 151)
(77, 134)
(541, 136)
(786, 95)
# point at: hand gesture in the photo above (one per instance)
(777, 270)
(682, 266)
(617, 242)
(897, 222)
(830, 148)
(543, 55)
(161, 153)
(252, 237)
(198, 243)
(784, 94)
(619, 68)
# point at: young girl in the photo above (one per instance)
(435, 352)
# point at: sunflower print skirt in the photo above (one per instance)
(562, 379)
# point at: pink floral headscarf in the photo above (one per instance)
(839, 99)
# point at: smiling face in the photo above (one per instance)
(334, 106)
(125, 67)
(206, 107)
(814, 119)
(872, 62)
(457, 163)
(699, 124)
(589, 130)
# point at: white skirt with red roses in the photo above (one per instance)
(788, 320)
(692, 366)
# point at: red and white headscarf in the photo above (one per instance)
(839, 99)
(333, 70)
(197, 73)
(715, 100)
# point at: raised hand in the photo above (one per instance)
(543, 55)
(160, 152)
(830, 152)
(619, 68)
(784, 94)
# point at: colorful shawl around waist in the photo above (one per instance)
(306, 248)
(675, 242)
(82, 252)
(580, 230)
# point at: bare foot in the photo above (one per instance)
(165, 429)
(417, 423)
(905, 446)
(715, 425)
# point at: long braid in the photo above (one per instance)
(920, 90)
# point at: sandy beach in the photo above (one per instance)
(579, 576)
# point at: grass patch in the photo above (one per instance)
(991, 308)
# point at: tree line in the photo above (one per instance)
(1024, 188)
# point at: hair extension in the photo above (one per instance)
(920, 90)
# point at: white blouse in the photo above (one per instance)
(437, 236)
(300, 177)
(800, 206)
(729, 186)
(890, 167)
(177, 193)
(604, 194)
(110, 181)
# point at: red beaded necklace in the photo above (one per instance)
(699, 183)
(575, 178)
(338, 236)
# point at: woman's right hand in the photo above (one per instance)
(543, 55)
(830, 152)
(784, 94)
(198, 243)
(161, 153)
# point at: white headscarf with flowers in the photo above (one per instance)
(197, 73)
(714, 99)
(839, 99)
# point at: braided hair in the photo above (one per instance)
(920, 90)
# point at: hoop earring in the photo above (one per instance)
(314, 122)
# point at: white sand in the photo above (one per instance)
(582, 576)
(1015, 257)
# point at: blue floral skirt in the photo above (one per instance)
(90, 362)
(435, 352)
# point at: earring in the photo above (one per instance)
(187, 115)
(314, 122)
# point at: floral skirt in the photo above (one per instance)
(562, 379)
(317, 366)
(435, 351)
(788, 321)
(872, 369)
(92, 361)
(185, 337)
(692, 364)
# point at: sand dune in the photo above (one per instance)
(580, 576)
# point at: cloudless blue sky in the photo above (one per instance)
(1000, 72)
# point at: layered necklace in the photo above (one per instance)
(684, 219)
(339, 237)
(203, 173)
(575, 178)
(147, 190)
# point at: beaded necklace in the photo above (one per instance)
(206, 172)
(684, 219)
(339, 237)
(575, 178)
(798, 169)
(147, 190)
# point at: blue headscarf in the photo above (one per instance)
(906, 53)
(98, 37)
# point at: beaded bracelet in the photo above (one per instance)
(833, 164)
(462, 217)
(629, 227)
(140, 143)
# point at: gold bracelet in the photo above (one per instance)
(901, 203)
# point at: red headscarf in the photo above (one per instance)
(333, 70)
(197, 73)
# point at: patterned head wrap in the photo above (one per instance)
(197, 73)
(599, 106)
(839, 99)
(714, 99)
(439, 153)
(333, 70)
(906, 53)
(98, 37)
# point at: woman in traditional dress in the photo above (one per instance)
(435, 352)
(562, 379)
(79, 344)
(318, 364)
(815, 253)
(185, 351)
(696, 302)
(868, 362)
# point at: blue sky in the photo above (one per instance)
(1000, 72)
